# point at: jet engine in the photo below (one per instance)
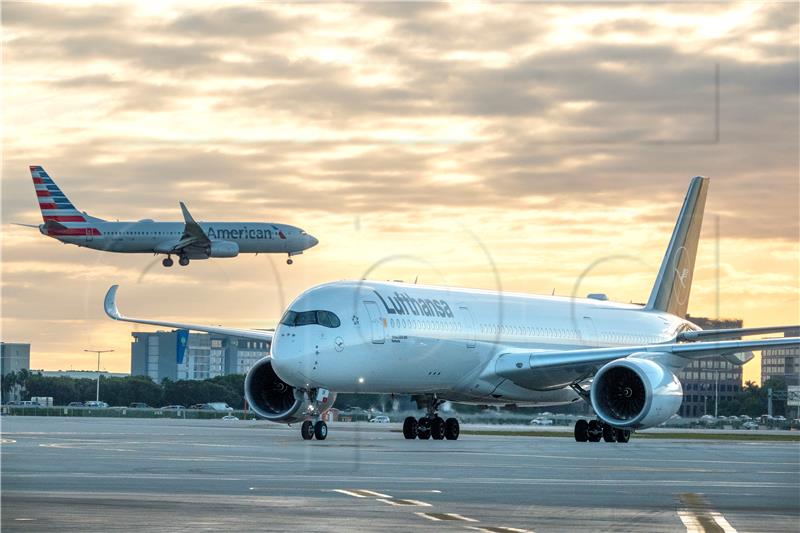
(635, 393)
(270, 397)
(223, 249)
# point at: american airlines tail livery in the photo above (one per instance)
(187, 240)
(484, 347)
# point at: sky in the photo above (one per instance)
(496, 145)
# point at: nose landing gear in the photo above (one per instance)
(315, 427)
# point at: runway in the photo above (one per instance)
(121, 474)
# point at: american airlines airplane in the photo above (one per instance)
(484, 347)
(187, 240)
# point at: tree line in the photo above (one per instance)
(123, 391)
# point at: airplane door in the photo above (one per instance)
(375, 323)
(89, 235)
(469, 323)
(589, 332)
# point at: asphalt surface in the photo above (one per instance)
(108, 474)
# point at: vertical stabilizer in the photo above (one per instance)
(674, 282)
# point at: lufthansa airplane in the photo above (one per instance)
(483, 347)
(187, 240)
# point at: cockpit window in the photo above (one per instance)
(306, 318)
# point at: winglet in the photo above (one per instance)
(187, 216)
(110, 303)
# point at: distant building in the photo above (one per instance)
(79, 374)
(14, 356)
(206, 355)
(709, 380)
(781, 363)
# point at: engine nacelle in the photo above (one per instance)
(223, 249)
(635, 393)
(272, 398)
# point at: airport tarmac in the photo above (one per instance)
(103, 474)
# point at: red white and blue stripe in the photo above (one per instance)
(56, 207)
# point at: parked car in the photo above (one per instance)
(172, 407)
(542, 422)
(139, 405)
(750, 425)
(229, 417)
(23, 403)
(380, 419)
(96, 404)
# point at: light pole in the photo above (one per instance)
(98, 352)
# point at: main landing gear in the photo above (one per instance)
(168, 262)
(594, 430)
(310, 430)
(431, 426)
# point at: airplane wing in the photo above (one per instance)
(522, 367)
(717, 334)
(110, 306)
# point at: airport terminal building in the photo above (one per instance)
(160, 355)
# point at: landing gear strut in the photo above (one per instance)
(594, 430)
(167, 261)
(315, 428)
(431, 426)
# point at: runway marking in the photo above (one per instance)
(438, 517)
(500, 529)
(372, 493)
(698, 517)
(400, 502)
(7, 441)
(349, 493)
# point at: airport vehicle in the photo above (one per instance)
(230, 417)
(380, 419)
(485, 347)
(750, 425)
(187, 240)
(542, 422)
(23, 403)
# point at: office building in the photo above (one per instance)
(156, 354)
(14, 356)
(709, 382)
(782, 363)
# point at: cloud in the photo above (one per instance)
(548, 129)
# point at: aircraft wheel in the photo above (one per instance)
(320, 430)
(451, 429)
(424, 428)
(183, 261)
(410, 428)
(595, 431)
(581, 430)
(167, 262)
(609, 433)
(289, 261)
(437, 428)
(307, 430)
(623, 435)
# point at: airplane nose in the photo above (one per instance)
(311, 241)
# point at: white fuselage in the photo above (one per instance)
(408, 338)
(148, 236)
